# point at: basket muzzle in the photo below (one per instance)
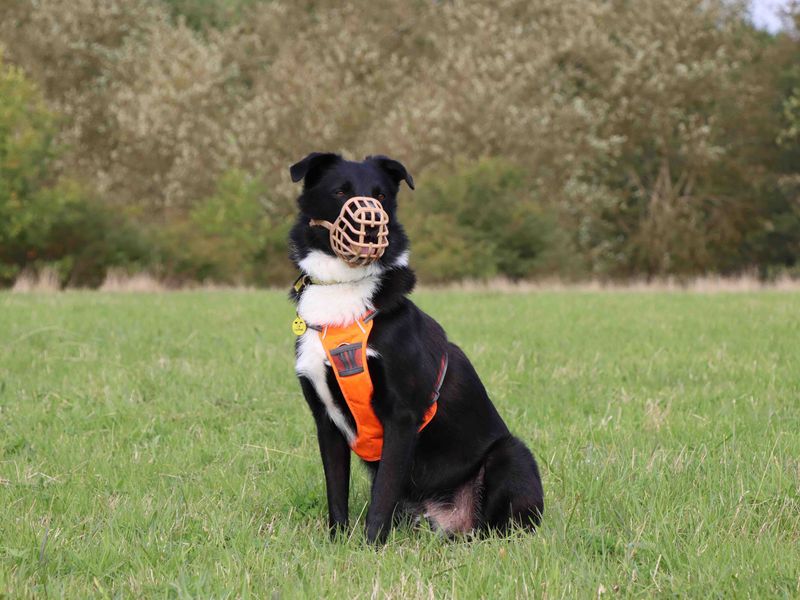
(359, 235)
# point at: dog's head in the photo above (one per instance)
(348, 210)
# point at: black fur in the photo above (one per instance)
(466, 437)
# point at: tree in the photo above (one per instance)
(26, 149)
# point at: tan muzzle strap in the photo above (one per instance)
(359, 235)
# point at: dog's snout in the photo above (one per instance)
(371, 233)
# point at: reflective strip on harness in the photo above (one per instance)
(440, 378)
(346, 348)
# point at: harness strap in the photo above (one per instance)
(346, 348)
(440, 378)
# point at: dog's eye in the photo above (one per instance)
(381, 197)
(340, 193)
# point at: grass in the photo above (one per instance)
(157, 445)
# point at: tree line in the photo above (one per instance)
(548, 138)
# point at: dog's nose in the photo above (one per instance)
(371, 234)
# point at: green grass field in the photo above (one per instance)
(157, 445)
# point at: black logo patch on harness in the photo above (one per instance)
(348, 359)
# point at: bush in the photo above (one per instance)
(83, 238)
(44, 220)
(26, 129)
(481, 220)
(60, 227)
(234, 236)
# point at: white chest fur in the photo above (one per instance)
(335, 304)
(338, 304)
(311, 365)
(345, 292)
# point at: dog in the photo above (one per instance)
(460, 467)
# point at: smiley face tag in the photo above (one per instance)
(299, 326)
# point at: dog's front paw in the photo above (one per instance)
(338, 529)
(377, 532)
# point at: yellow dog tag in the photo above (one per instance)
(299, 326)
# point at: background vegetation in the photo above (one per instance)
(565, 138)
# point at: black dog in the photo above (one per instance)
(464, 471)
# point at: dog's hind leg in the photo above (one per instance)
(512, 491)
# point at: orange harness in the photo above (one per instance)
(346, 348)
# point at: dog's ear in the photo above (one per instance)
(395, 169)
(312, 166)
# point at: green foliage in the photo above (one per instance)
(80, 237)
(205, 14)
(26, 128)
(772, 239)
(44, 221)
(651, 138)
(480, 220)
(230, 237)
(791, 113)
(157, 445)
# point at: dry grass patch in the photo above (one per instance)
(46, 280)
(705, 285)
(117, 281)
